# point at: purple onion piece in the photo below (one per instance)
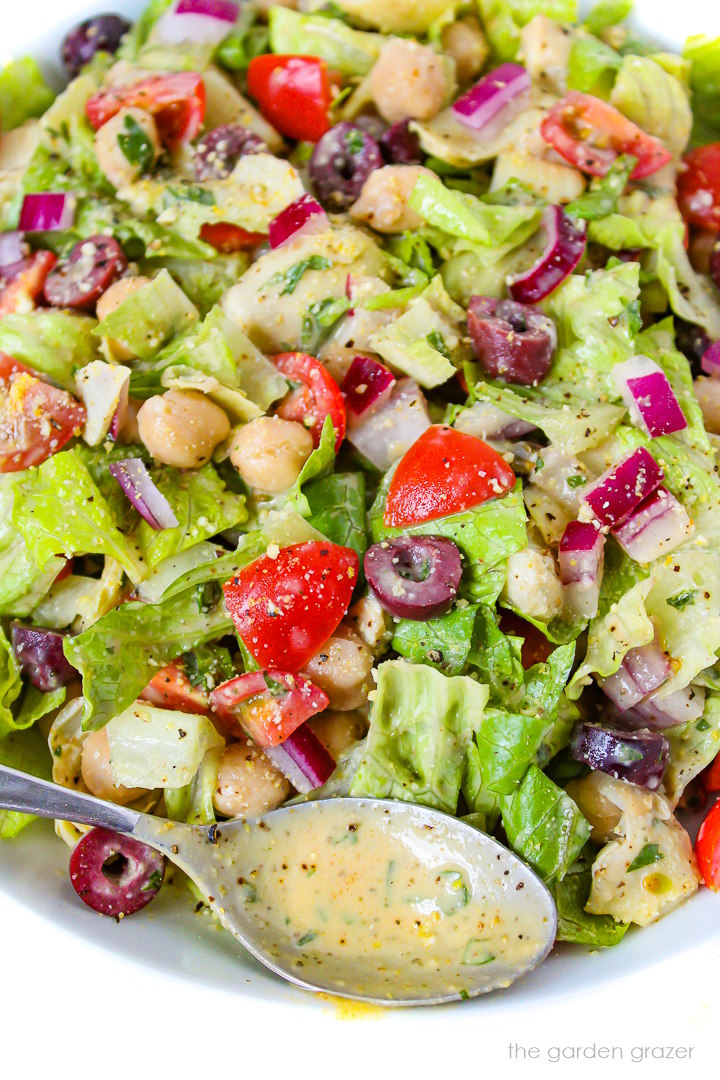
(13, 249)
(414, 577)
(200, 21)
(366, 383)
(655, 528)
(642, 671)
(303, 759)
(47, 211)
(710, 361)
(303, 216)
(512, 341)
(638, 757)
(620, 490)
(581, 560)
(40, 655)
(648, 396)
(384, 433)
(113, 874)
(680, 707)
(494, 100)
(133, 477)
(564, 248)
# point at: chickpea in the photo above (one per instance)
(409, 80)
(270, 452)
(108, 146)
(109, 301)
(465, 42)
(97, 774)
(338, 731)
(707, 391)
(383, 202)
(248, 783)
(602, 814)
(342, 669)
(182, 428)
(371, 622)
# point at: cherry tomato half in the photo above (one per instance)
(177, 102)
(707, 848)
(36, 419)
(285, 608)
(26, 281)
(317, 397)
(293, 93)
(444, 472)
(591, 134)
(698, 187)
(170, 688)
(268, 706)
(228, 238)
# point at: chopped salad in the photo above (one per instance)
(359, 421)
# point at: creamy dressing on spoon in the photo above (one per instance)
(363, 895)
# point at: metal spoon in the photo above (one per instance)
(246, 869)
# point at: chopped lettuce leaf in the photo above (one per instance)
(145, 320)
(23, 582)
(118, 656)
(497, 658)
(593, 66)
(421, 724)
(574, 922)
(28, 752)
(153, 748)
(503, 20)
(602, 198)
(142, 28)
(349, 51)
(693, 746)
(193, 803)
(624, 626)
(337, 509)
(654, 100)
(422, 341)
(24, 94)
(10, 685)
(444, 643)
(543, 825)
(53, 343)
(607, 13)
(400, 17)
(58, 509)
(202, 505)
(704, 55)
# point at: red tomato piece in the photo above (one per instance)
(285, 608)
(36, 419)
(707, 848)
(177, 102)
(444, 472)
(317, 397)
(171, 689)
(535, 647)
(698, 187)
(591, 134)
(26, 282)
(293, 93)
(228, 238)
(267, 706)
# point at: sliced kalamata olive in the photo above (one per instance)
(374, 125)
(640, 757)
(512, 341)
(99, 34)
(114, 874)
(341, 163)
(218, 152)
(414, 577)
(400, 145)
(692, 341)
(40, 654)
(79, 282)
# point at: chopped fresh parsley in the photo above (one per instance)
(576, 481)
(136, 146)
(290, 278)
(437, 342)
(192, 193)
(650, 854)
(682, 599)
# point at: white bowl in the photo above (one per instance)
(168, 935)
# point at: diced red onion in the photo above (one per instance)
(656, 528)
(133, 477)
(642, 671)
(382, 435)
(367, 383)
(649, 397)
(581, 557)
(621, 489)
(495, 100)
(564, 248)
(201, 21)
(301, 218)
(710, 362)
(486, 421)
(46, 211)
(303, 759)
(677, 708)
(13, 249)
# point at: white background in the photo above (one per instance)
(72, 1007)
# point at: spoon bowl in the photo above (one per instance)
(375, 900)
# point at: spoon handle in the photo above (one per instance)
(18, 791)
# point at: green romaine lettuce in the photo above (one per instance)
(625, 626)
(444, 643)
(349, 51)
(10, 685)
(574, 922)
(543, 825)
(593, 66)
(24, 94)
(142, 28)
(53, 343)
(151, 747)
(145, 320)
(503, 20)
(693, 746)
(193, 803)
(607, 13)
(28, 752)
(337, 509)
(704, 55)
(421, 724)
(23, 583)
(654, 100)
